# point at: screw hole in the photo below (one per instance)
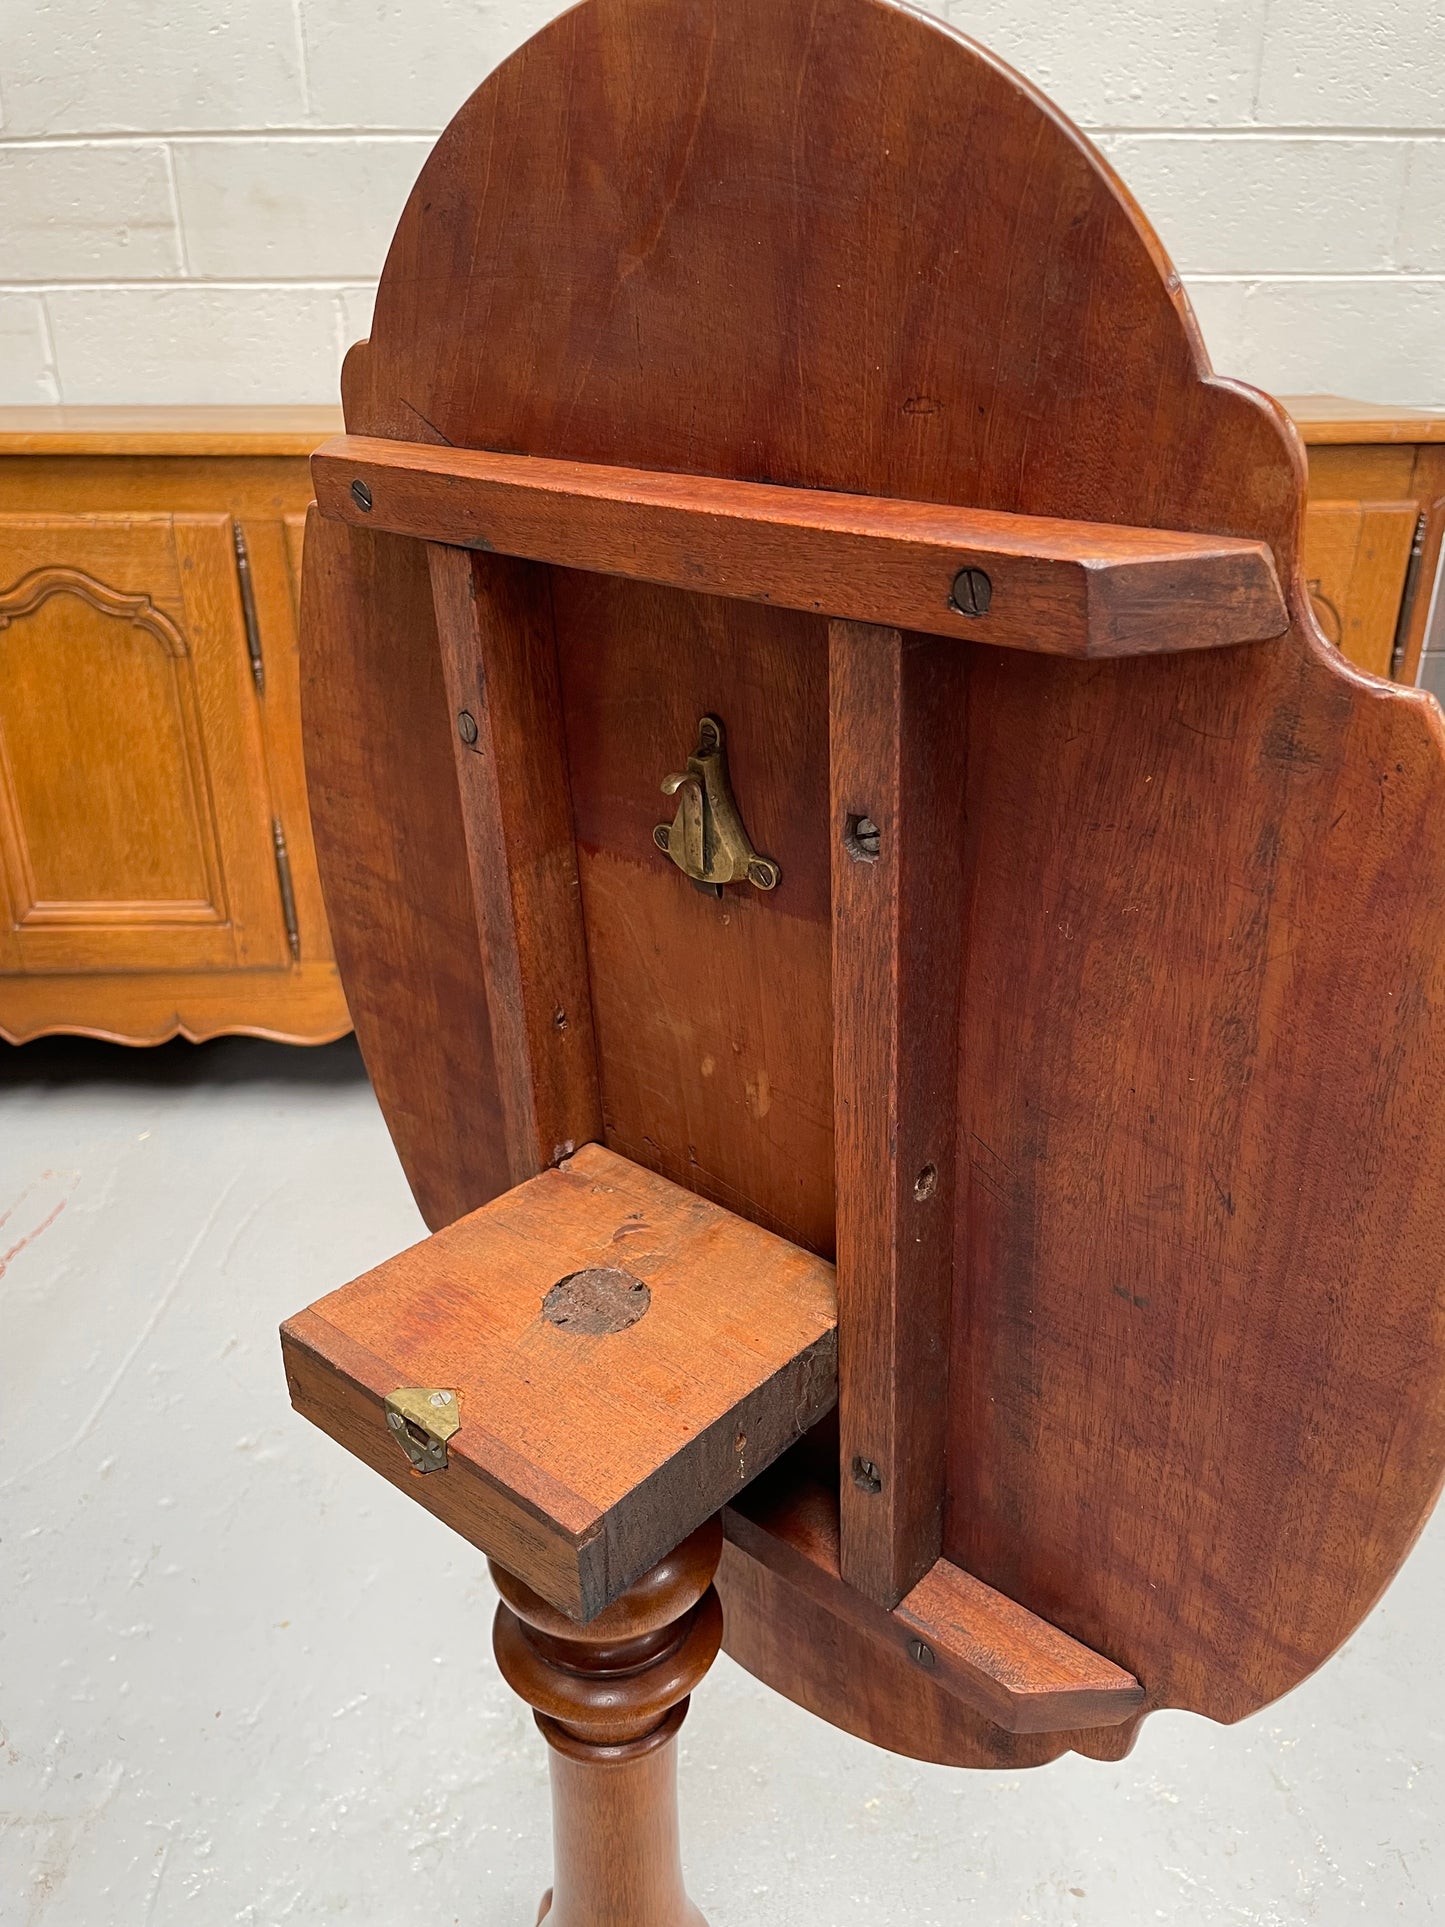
(926, 1183)
(866, 1476)
(862, 839)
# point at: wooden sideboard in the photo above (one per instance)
(1373, 532)
(155, 847)
(156, 861)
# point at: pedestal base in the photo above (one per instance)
(609, 1698)
(616, 1850)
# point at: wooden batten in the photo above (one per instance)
(499, 660)
(595, 1435)
(896, 713)
(975, 1646)
(1060, 587)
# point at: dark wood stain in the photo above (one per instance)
(1196, 1347)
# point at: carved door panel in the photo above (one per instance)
(1356, 555)
(135, 831)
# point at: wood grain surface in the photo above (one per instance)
(1330, 420)
(195, 775)
(499, 661)
(713, 1017)
(1196, 1345)
(1000, 1687)
(609, 1701)
(1198, 1357)
(146, 843)
(272, 429)
(1067, 588)
(393, 858)
(583, 1456)
(896, 707)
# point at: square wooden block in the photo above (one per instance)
(623, 1358)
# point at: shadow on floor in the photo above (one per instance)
(62, 1062)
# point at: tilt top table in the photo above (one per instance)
(860, 887)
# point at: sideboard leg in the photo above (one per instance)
(609, 1698)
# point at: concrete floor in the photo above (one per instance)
(243, 1681)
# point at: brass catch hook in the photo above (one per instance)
(706, 839)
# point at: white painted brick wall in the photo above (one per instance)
(195, 200)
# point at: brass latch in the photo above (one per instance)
(422, 1421)
(706, 839)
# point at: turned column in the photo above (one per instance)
(609, 1697)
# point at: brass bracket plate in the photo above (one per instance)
(706, 839)
(422, 1418)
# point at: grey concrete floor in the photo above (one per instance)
(243, 1681)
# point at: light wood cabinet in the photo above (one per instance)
(1373, 532)
(156, 867)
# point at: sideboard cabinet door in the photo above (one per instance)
(1356, 557)
(135, 833)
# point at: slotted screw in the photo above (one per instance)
(972, 592)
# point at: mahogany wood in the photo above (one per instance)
(499, 659)
(988, 1654)
(609, 1701)
(394, 860)
(1194, 1415)
(1069, 588)
(1199, 1355)
(896, 721)
(586, 1449)
(714, 1019)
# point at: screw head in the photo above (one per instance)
(862, 839)
(361, 495)
(467, 726)
(922, 1654)
(866, 1476)
(971, 594)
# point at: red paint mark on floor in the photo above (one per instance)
(47, 1178)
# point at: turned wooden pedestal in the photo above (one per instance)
(609, 1698)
